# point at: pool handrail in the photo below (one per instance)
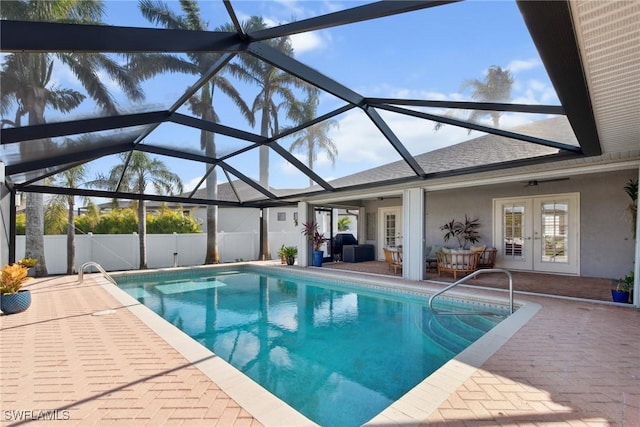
(472, 275)
(98, 267)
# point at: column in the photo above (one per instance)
(413, 257)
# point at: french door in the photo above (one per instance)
(389, 228)
(538, 233)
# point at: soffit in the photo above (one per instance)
(608, 34)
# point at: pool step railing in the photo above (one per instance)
(98, 267)
(471, 276)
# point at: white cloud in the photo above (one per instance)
(191, 184)
(518, 65)
(287, 168)
(535, 92)
(307, 42)
(360, 141)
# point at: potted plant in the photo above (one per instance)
(465, 231)
(29, 264)
(289, 253)
(13, 299)
(310, 230)
(283, 258)
(622, 292)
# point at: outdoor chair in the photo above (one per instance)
(393, 259)
(457, 262)
(487, 258)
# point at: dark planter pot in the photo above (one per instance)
(15, 303)
(317, 258)
(620, 296)
(291, 260)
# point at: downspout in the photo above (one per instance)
(636, 264)
(12, 226)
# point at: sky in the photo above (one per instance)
(427, 54)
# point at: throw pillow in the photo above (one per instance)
(434, 250)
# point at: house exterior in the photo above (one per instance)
(564, 217)
(544, 201)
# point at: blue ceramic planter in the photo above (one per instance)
(620, 296)
(317, 258)
(15, 303)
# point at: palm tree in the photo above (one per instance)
(496, 87)
(26, 86)
(273, 84)
(70, 178)
(200, 104)
(312, 139)
(140, 172)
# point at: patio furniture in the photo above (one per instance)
(432, 259)
(487, 258)
(339, 241)
(358, 253)
(393, 258)
(457, 262)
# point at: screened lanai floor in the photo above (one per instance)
(594, 288)
(80, 354)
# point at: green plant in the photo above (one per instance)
(631, 188)
(12, 277)
(27, 262)
(289, 251)
(310, 230)
(626, 283)
(343, 223)
(465, 231)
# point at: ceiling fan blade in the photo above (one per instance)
(534, 182)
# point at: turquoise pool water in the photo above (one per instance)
(337, 353)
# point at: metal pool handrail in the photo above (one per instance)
(98, 267)
(472, 275)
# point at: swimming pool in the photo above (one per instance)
(336, 352)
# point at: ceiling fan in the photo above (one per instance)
(535, 182)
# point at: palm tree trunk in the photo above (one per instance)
(71, 237)
(265, 253)
(212, 257)
(34, 234)
(34, 211)
(209, 143)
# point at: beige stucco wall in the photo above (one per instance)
(606, 242)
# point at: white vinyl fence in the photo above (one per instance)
(122, 251)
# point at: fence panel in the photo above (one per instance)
(121, 251)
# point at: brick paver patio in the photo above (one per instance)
(575, 363)
(67, 358)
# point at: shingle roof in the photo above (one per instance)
(486, 149)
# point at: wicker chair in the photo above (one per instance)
(393, 260)
(456, 262)
(487, 258)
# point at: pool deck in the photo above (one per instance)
(86, 354)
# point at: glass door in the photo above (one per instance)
(556, 234)
(513, 240)
(324, 219)
(390, 229)
(538, 233)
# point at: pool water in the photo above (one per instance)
(337, 353)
